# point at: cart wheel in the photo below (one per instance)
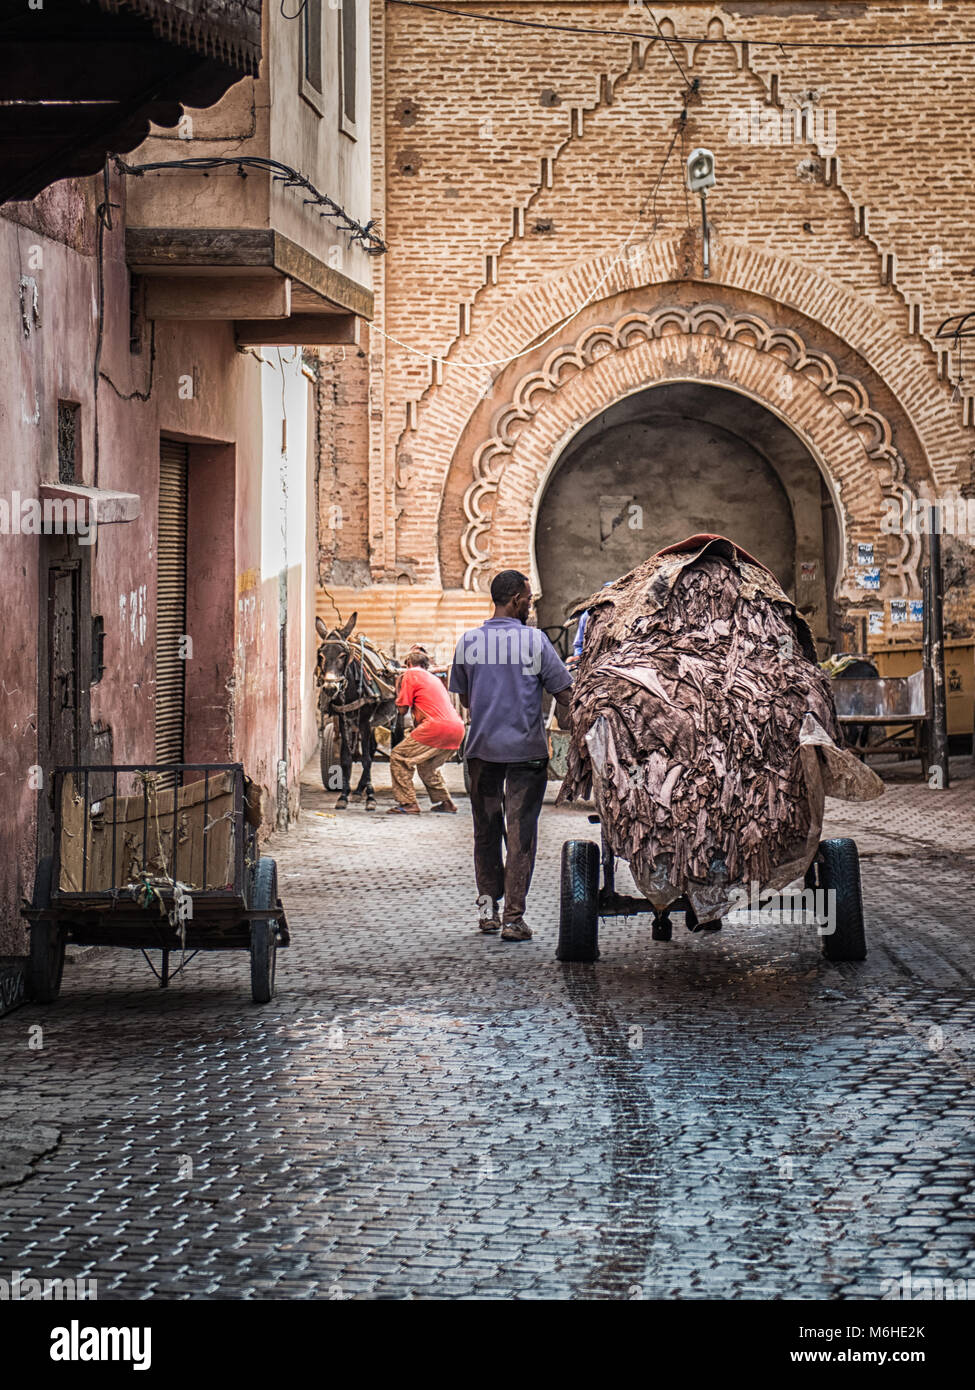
(838, 866)
(331, 746)
(264, 935)
(47, 941)
(579, 914)
(663, 927)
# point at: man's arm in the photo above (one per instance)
(553, 672)
(459, 683)
(404, 699)
(556, 680)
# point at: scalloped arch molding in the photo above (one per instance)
(829, 410)
(906, 365)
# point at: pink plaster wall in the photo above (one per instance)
(234, 613)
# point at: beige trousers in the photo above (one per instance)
(409, 755)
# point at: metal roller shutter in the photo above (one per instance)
(171, 600)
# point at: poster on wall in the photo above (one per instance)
(875, 622)
(898, 610)
(865, 553)
(869, 578)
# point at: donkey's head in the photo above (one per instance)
(333, 654)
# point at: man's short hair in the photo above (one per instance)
(416, 656)
(506, 585)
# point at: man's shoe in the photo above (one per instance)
(516, 931)
(487, 913)
(444, 806)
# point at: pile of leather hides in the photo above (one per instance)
(704, 729)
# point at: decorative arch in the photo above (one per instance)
(828, 409)
(911, 375)
(906, 368)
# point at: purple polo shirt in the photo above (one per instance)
(501, 669)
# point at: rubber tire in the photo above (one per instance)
(264, 935)
(579, 904)
(47, 941)
(328, 753)
(839, 870)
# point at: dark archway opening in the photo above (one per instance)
(677, 459)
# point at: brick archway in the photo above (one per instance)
(912, 375)
(863, 344)
(828, 409)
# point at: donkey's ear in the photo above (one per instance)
(346, 631)
(320, 628)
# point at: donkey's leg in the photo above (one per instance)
(368, 748)
(345, 761)
(360, 785)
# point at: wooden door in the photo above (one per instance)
(64, 660)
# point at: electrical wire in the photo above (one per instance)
(683, 160)
(359, 234)
(103, 217)
(137, 395)
(629, 35)
(688, 38)
(672, 55)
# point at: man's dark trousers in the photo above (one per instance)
(506, 798)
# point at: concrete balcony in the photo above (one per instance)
(256, 209)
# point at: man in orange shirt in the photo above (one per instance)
(437, 732)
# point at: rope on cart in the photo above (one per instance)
(182, 909)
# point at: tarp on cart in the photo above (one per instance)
(704, 729)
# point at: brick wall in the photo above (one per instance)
(511, 167)
(342, 395)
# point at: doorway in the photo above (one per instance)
(672, 461)
(63, 669)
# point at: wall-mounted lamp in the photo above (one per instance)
(700, 177)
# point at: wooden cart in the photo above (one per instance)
(834, 868)
(891, 714)
(155, 857)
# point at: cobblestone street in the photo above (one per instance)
(422, 1112)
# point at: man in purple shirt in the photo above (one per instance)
(500, 671)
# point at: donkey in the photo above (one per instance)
(349, 693)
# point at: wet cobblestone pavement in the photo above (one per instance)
(423, 1112)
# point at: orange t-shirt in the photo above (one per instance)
(435, 721)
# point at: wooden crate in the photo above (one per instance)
(144, 842)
